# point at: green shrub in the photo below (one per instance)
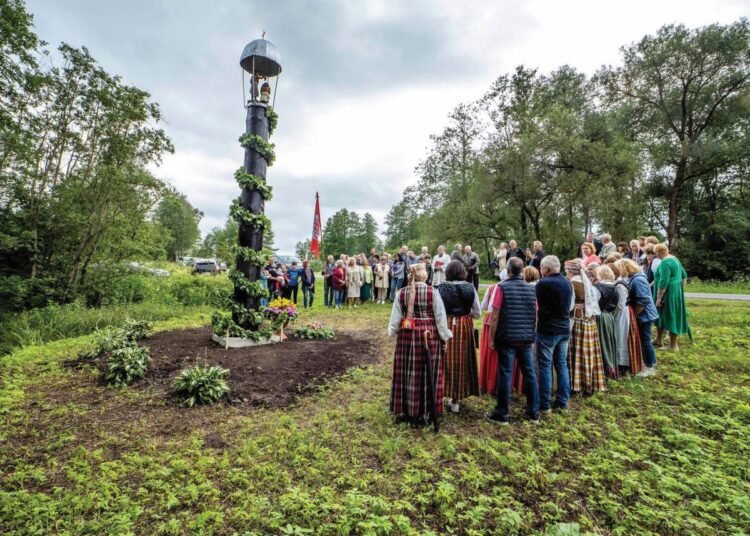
(126, 364)
(213, 290)
(110, 339)
(314, 331)
(201, 385)
(133, 288)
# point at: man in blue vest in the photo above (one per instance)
(512, 337)
(555, 298)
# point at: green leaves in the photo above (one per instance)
(260, 146)
(126, 364)
(252, 182)
(254, 289)
(201, 385)
(242, 215)
(314, 330)
(273, 120)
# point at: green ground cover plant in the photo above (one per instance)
(201, 385)
(665, 455)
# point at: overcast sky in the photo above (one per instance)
(364, 83)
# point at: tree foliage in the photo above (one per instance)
(177, 216)
(75, 143)
(659, 145)
(347, 232)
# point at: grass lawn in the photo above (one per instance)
(666, 455)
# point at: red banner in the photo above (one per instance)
(315, 241)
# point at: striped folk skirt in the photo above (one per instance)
(634, 344)
(585, 355)
(608, 342)
(461, 374)
(409, 388)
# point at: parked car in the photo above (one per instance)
(205, 266)
(158, 272)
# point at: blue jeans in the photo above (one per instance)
(553, 350)
(506, 355)
(308, 294)
(328, 296)
(340, 296)
(395, 287)
(649, 354)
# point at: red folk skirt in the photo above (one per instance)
(488, 364)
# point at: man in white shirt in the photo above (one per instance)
(439, 262)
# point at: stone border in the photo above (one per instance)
(239, 342)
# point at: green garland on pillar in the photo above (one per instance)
(260, 146)
(253, 182)
(224, 322)
(273, 119)
(242, 215)
(254, 289)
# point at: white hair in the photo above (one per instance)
(551, 263)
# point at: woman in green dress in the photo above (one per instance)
(669, 295)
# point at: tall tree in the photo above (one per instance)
(180, 219)
(75, 143)
(687, 94)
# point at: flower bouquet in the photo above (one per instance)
(280, 311)
(314, 330)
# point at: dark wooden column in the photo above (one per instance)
(250, 236)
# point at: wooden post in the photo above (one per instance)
(251, 236)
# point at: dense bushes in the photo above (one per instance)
(141, 296)
(178, 289)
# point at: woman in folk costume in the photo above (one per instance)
(488, 358)
(622, 321)
(584, 351)
(609, 304)
(416, 309)
(634, 364)
(462, 307)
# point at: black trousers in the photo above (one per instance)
(474, 280)
(293, 293)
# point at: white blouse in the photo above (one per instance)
(438, 310)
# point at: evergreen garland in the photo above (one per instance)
(273, 119)
(260, 146)
(258, 258)
(245, 315)
(242, 215)
(254, 289)
(253, 182)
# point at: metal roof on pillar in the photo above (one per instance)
(266, 56)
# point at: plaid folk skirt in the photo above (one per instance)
(634, 344)
(461, 367)
(585, 355)
(409, 394)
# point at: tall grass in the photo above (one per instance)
(137, 296)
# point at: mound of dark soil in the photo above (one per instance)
(270, 376)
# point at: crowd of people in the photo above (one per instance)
(352, 281)
(590, 320)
